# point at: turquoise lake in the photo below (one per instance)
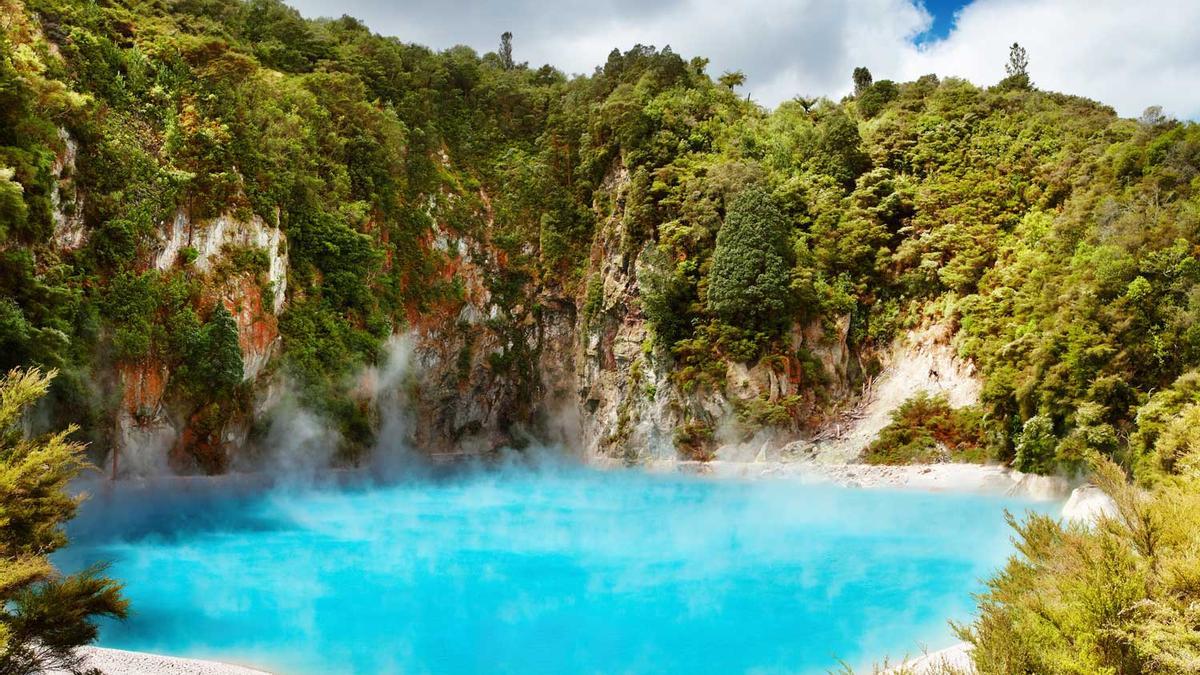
(566, 570)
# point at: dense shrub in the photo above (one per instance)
(872, 101)
(1117, 597)
(44, 615)
(749, 282)
(926, 429)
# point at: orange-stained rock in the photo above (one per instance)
(143, 384)
(258, 327)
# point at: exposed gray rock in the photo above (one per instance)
(67, 202)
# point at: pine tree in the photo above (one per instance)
(223, 352)
(862, 80)
(1017, 69)
(44, 616)
(505, 53)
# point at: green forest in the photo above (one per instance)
(1060, 242)
(1058, 238)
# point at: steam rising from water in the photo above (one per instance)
(538, 567)
(389, 383)
(299, 443)
(534, 565)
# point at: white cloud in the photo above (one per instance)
(1129, 55)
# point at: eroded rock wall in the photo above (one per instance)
(575, 369)
(631, 406)
(582, 371)
(155, 435)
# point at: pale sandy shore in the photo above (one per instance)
(118, 662)
(976, 478)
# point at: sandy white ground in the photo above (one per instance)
(923, 361)
(954, 659)
(979, 478)
(118, 662)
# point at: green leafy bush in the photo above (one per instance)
(1116, 597)
(693, 440)
(749, 282)
(925, 429)
(872, 101)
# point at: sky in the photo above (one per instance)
(1130, 54)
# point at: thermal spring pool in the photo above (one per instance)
(539, 571)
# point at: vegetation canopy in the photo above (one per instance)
(43, 614)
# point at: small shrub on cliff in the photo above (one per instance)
(44, 615)
(594, 301)
(253, 260)
(760, 412)
(114, 244)
(666, 294)
(698, 364)
(212, 364)
(926, 429)
(692, 441)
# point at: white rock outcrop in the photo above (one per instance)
(920, 361)
(955, 659)
(208, 238)
(1087, 504)
(69, 231)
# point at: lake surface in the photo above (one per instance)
(541, 571)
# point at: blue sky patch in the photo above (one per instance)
(943, 19)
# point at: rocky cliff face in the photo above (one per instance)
(485, 371)
(461, 399)
(489, 372)
(69, 230)
(582, 371)
(627, 409)
(155, 435)
(631, 407)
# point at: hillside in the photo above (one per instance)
(211, 208)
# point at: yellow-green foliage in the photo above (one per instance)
(43, 615)
(693, 439)
(760, 411)
(926, 429)
(1166, 428)
(1178, 448)
(1117, 598)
